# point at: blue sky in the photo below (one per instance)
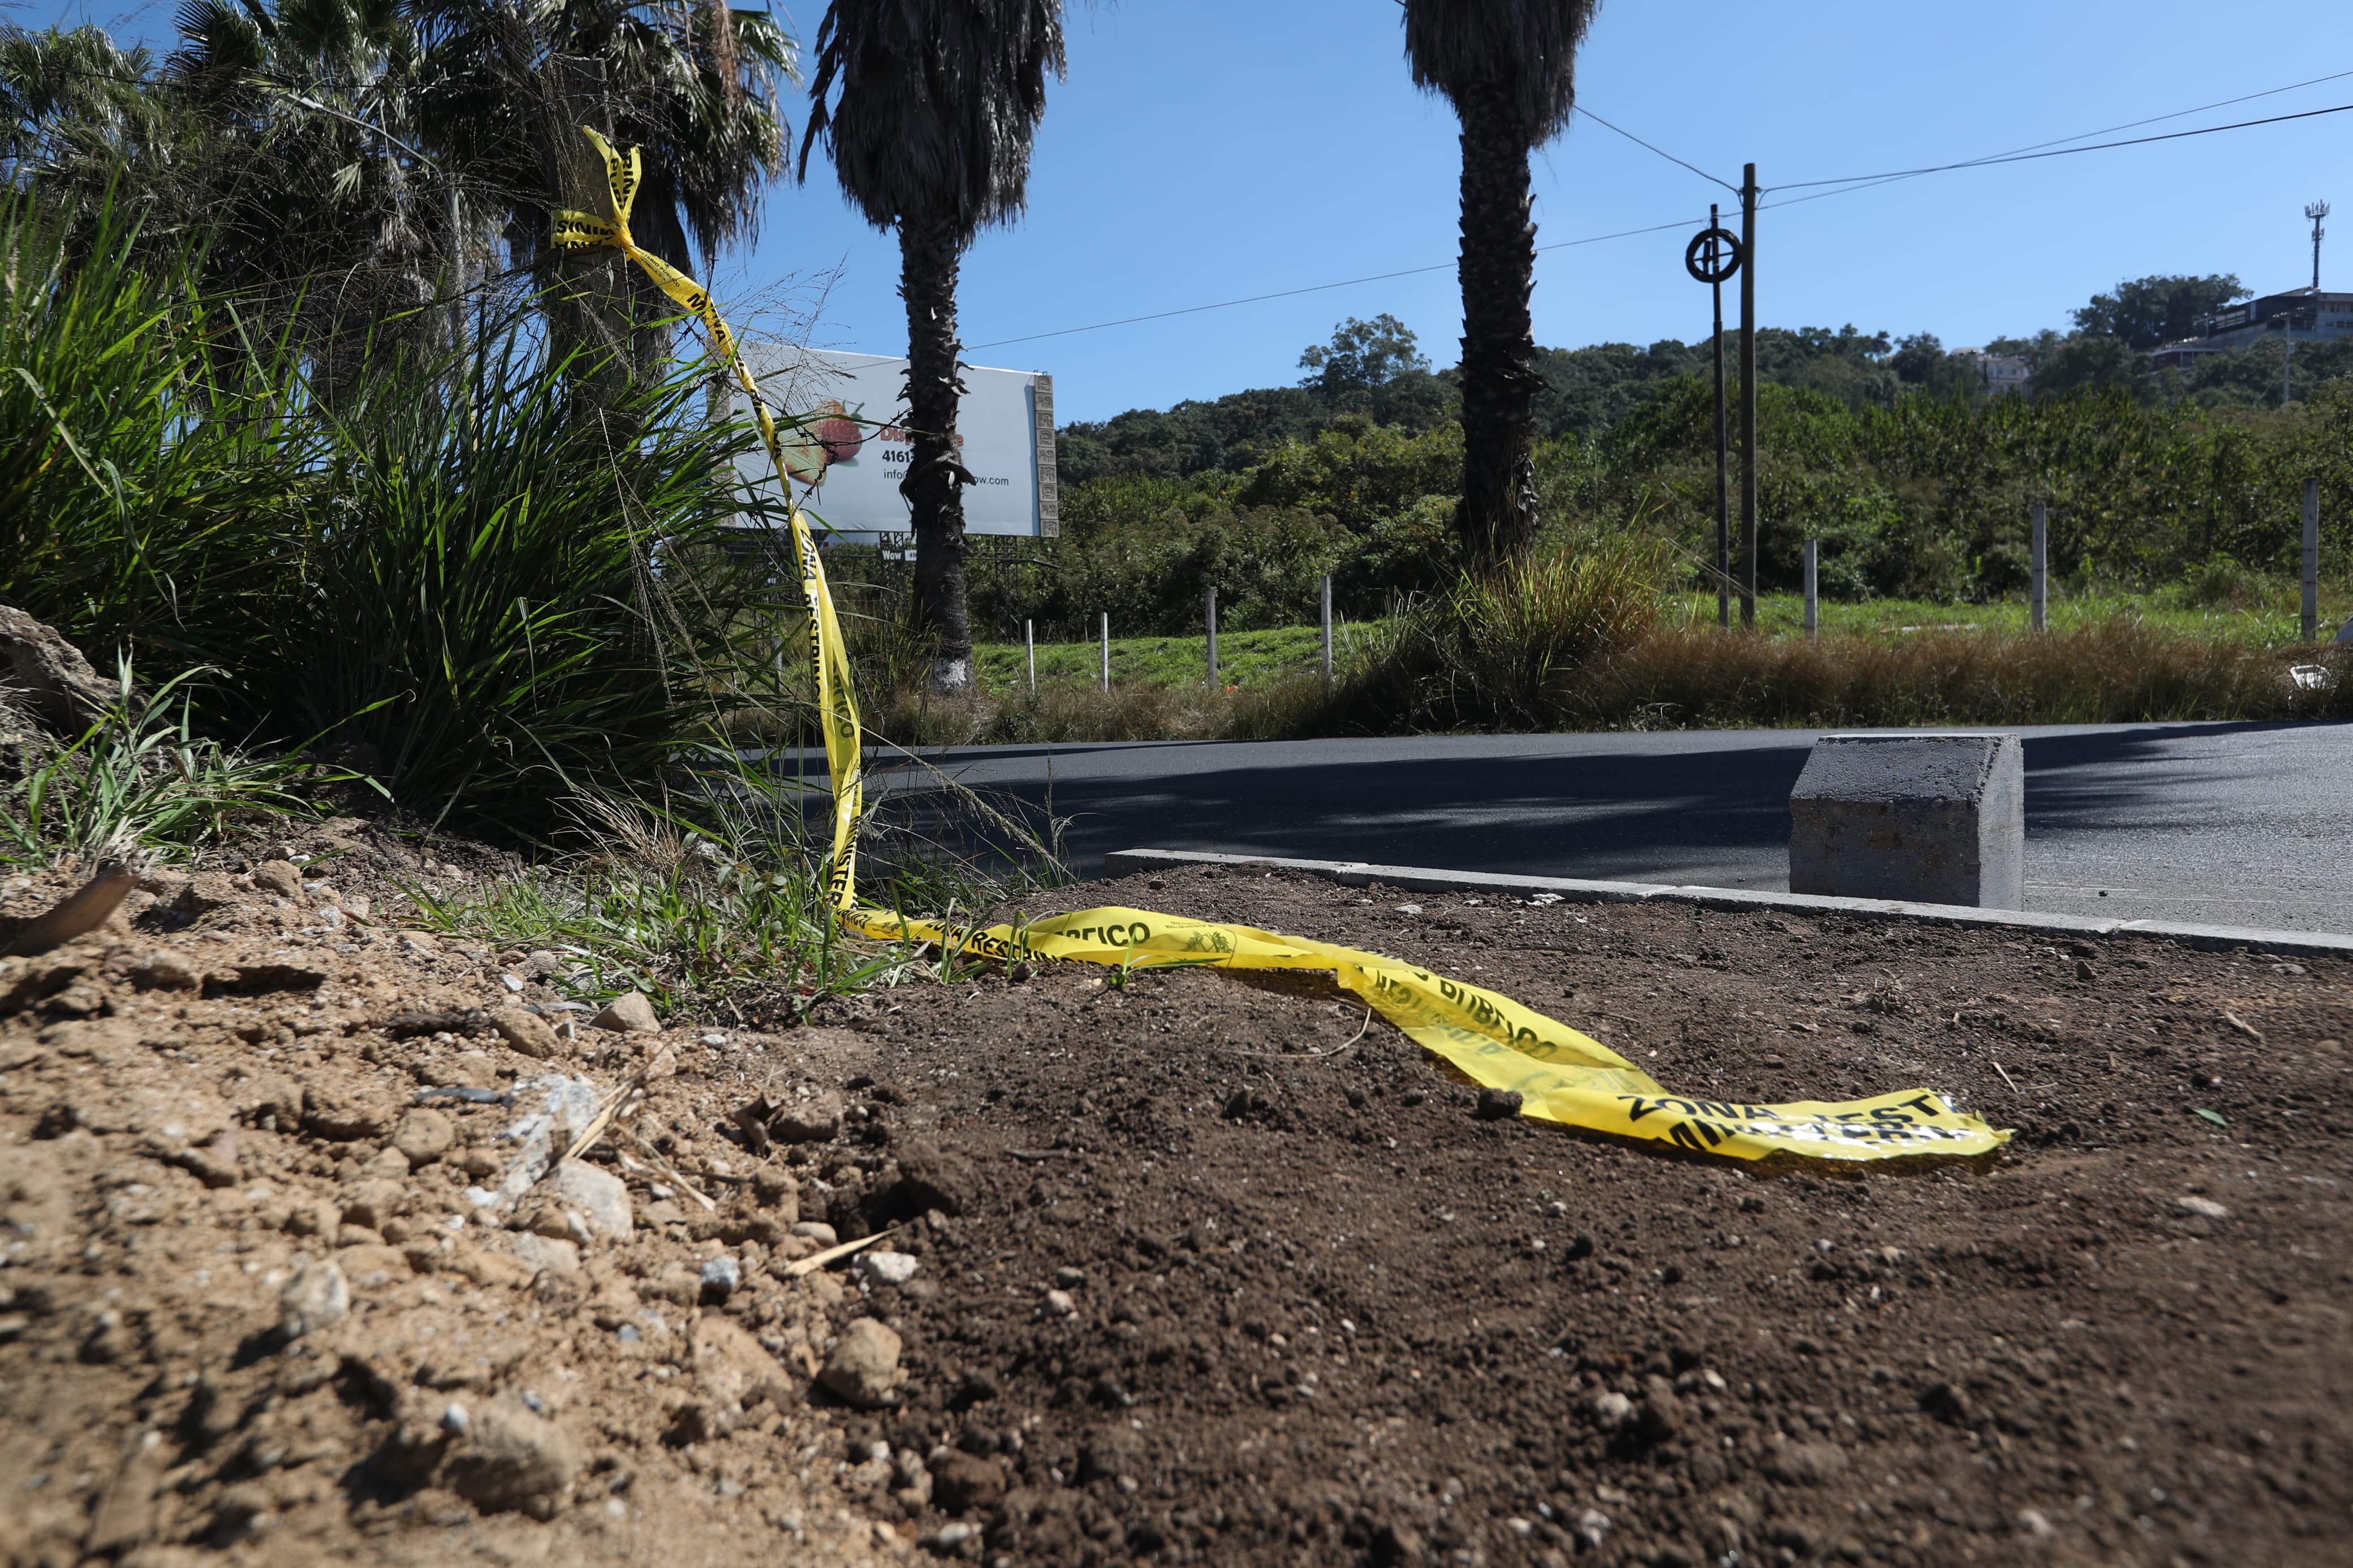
(1213, 148)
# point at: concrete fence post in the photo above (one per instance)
(1107, 650)
(2312, 560)
(2038, 594)
(1030, 644)
(1814, 589)
(1213, 638)
(1327, 628)
(1934, 819)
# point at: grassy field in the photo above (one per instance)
(1248, 659)
(2261, 625)
(1254, 660)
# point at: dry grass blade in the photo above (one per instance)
(817, 1260)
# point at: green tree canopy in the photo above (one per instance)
(1362, 355)
(2146, 311)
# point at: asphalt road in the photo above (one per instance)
(2228, 824)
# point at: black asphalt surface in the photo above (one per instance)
(2226, 824)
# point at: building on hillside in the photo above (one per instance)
(2298, 316)
(2001, 372)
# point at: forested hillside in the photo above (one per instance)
(1885, 448)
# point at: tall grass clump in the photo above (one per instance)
(141, 777)
(1502, 647)
(2117, 671)
(511, 598)
(151, 477)
(490, 582)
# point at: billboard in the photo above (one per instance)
(854, 444)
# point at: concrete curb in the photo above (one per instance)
(1424, 879)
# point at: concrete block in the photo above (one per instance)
(1938, 819)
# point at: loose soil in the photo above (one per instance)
(1202, 1269)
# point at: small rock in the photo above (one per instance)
(812, 1121)
(317, 1297)
(964, 1482)
(546, 1254)
(886, 1267)
(1498, 1104)
(1610, 1410)
(600, 1197)
(166, 971)
(863, 1367)
(423, 1136)
(1112, 1450)
(947, 1537)
(279, 877)
(455, 1421)
(542, 961)
(629, 1013)
(2204, 1208)
(344, 1118)
(527, 1031)
(2083, 970)
(1071, 1278)
(2034, 1526)
(1059, 1305)
(371, 1202)
(1593, 1528)
(721, 1277)
(1807, 1464)
(514, 1458)
(816, 1230)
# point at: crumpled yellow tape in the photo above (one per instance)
(795, 458)
(1561, 1075)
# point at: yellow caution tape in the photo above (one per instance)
(1561, 1075)
(837, 697)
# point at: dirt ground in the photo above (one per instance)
(1188, 1270)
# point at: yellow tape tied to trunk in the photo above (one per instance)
(1561, 1075)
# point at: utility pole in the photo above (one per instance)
(1722, 486)
(1712, 255)
(1749, 397)
(2316, 211)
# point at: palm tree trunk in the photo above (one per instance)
(930, 254)
(1498, 515)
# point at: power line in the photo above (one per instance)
(2057, 153)
(1845, 186)
(1312, 288)
(1662, 152)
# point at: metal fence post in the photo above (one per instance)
(2312, 560)
(2038, 599)
(1213, 637)
(1814, 588)
(1327, 628)
(1029, 643)
(1107, 650)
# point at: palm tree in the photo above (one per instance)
(937, 105)
(1508, 67)
(696, 86)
